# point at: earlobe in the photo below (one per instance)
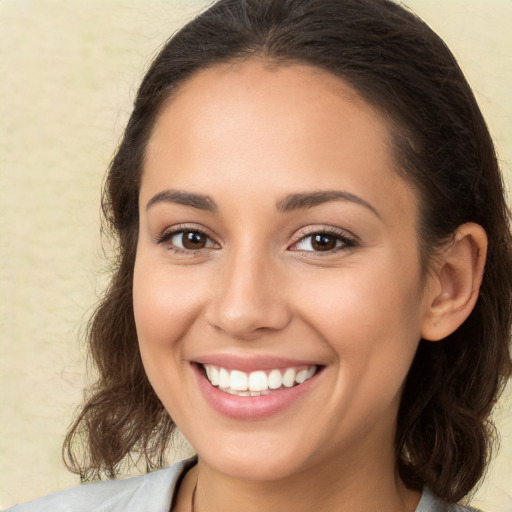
(455, 282)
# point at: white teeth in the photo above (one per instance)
(301, 376)
(289, 377)
(258, 381)
(223, 378)
(275, 380)
(213, 376)
(236, 382)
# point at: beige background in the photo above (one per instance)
(68, 72)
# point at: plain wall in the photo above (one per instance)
(69, 70)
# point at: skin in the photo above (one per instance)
(248, 135)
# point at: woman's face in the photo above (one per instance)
(277, 243)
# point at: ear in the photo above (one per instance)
(455, 282)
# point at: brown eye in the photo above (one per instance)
(188, 240)
(323, 242)
(193, 240)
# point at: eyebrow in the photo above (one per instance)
(298, 201)
(302, 201)
(198, 201)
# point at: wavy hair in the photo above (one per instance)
(443, 147)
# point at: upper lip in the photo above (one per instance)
(252, 363)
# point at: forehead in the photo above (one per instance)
(270, 127)
(293, 95)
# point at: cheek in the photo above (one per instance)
(369, 315)
(165, 304)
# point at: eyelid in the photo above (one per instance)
(349, 240)
(171, 231)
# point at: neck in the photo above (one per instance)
(330, 487)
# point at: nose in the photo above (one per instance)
(249, 299)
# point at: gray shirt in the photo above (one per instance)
(153, 493)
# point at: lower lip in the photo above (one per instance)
(247, 407)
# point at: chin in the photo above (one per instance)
(254, 461)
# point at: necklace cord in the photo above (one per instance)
(193, 504)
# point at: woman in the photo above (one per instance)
(306, 198)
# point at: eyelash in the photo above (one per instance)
(166, 236)
(347, 242)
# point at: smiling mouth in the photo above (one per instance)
(257, 383)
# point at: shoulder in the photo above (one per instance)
(430, 503)
(147, 493)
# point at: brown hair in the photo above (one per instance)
(399, 65)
